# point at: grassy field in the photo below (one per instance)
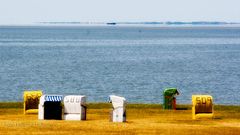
(141, 119)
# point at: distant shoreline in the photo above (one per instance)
(123, 25)
(134, 24)
(148, 23)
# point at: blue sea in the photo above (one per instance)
(135, 62)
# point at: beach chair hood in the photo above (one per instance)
(117, 101)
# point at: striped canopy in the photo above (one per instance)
(54, 98)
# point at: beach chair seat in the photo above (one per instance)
(202, 106)
(169, 98)
(50, 107)
(118, 111)
(75, 107)
(31, 101)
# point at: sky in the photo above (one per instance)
(32, 11)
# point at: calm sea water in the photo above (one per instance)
(134, 62)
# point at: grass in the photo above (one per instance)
(141, 119)
(4, 105)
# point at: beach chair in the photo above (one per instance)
(169, 98)
(202, 106)
(50, 107)
(118, 111)
(75, 107)
(31, 101)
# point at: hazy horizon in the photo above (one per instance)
(30, 12)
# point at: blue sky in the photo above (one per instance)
(30, 11)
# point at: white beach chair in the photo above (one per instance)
(118, 112)
(75, 107)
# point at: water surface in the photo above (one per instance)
(134, 62)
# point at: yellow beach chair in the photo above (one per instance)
(202, 106)
(31, 101)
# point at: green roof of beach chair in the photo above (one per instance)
(170, 92)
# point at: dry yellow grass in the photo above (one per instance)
(141, 119)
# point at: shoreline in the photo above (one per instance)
(119, 25)
(103, 105)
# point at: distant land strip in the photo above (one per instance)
(147, 23)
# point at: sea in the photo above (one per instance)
(136, 62)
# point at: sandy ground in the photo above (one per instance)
(145, 120)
